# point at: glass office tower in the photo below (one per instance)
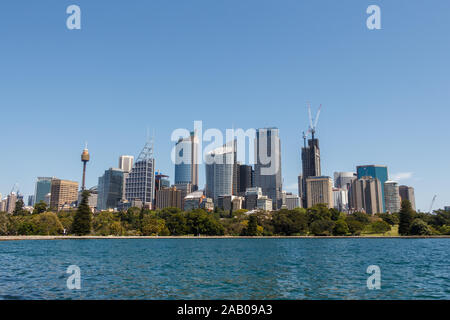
(374, 171)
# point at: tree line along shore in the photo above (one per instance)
(317, 221)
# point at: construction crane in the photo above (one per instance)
(432, 203)
(313, 124)
(16, 185)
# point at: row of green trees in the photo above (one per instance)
(318, 221)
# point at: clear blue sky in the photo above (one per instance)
(248, 63)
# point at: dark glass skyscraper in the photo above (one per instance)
(310, 164)
(43, 187)
(245, 174)
(268, 164)
(110, 188)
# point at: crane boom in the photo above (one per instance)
(317, 117)
(432, 203)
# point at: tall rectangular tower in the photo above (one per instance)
(310, 165)
(140, 183)
(186, 161)
(268, 164)
(319, 191)
(63, 192)
(377, 172)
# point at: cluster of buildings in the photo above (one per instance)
(230, 185)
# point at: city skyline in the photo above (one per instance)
(385, 92)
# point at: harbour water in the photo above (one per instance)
(225, 268)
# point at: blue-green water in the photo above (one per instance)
(226, 268)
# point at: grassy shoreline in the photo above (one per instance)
(15, 238)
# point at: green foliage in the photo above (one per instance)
(252, 227)
(379, 227)
(361, 217)
(392, 219)
(19, 209)
(4, 224)
(177, 224)
(198, 222)
(152, 226)
(420, 228)
(290, 222)
(47, 223)
(340, 228)
(318, 212)
(354, 226)
(406, 218)
(318, 220)
(322, 227)
(105, 223)
(83, 218)
(40, 207)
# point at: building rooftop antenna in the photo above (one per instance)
(147, 152)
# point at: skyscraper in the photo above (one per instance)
(391, 196)
(268, 164)
(407, 193)
(63, 193)
(43, 187)
(11, 202)
(110, 188)
(319, 191)
(374, 171)
(310, 164)
(186, 161)
(245, 174)
(126, 163)
(366, 195)
(340, 199)
(343, 180)
(140, 184)
(220, 166)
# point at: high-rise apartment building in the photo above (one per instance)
(391, 196)
(110, 188)
(169, 198)
(43, 187)
(268, 164)
(407, 193)
(319, 191)
(186, 160)
(63, 193)
(11, 200)
(140, 184)
(377, 172)
(3, 203)
(366, 195)
(220, 169)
